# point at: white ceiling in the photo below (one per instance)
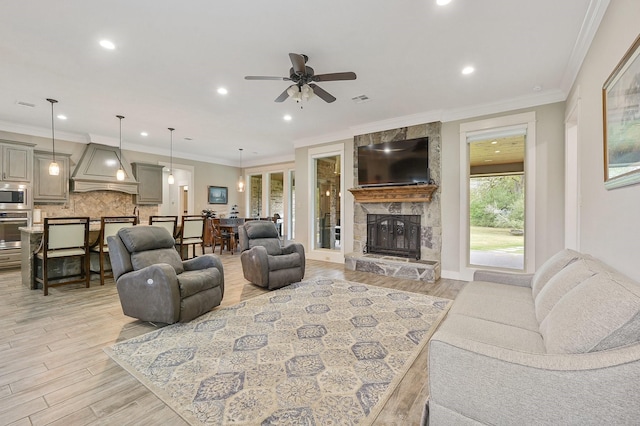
(171, 56)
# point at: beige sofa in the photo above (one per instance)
(561, 346)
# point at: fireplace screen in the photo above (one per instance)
(393, 235)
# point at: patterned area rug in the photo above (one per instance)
(323, 352)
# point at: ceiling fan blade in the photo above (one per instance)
(335, 76)
(262, 77)
(322, 94)
(298, 63)
(283, 96)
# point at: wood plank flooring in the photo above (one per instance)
(53, 370)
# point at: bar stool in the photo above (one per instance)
(109, 225)
(169, 222)
(191, 233)
(63, 238)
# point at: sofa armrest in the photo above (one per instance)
(495, 385)
(255, 265)
(521, 280)
(295, 248)
(150, 294)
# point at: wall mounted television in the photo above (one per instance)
(394, 163)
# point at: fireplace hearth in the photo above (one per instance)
(393, 235)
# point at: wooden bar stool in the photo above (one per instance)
(169, 222)
(191, 233)
(109, 225)
(63, 238)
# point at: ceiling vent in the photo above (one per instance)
(360, 99)
(26, 104)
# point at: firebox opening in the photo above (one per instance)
(393, 235)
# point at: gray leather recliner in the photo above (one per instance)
(154, 284)
(264, 261)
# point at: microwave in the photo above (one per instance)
(14, 197)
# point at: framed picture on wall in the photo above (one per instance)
(621, 114)
(217, 195)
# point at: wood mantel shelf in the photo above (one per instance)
(394, 194)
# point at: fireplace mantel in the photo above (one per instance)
(394, 194)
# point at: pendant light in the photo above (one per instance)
(54, 168)
(241, 180)
(120, 173)
(171, 180)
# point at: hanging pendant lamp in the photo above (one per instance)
(241, 180)
(120, 175)
(171, 179)
(54, 168)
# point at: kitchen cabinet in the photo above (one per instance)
(17, 162)
(149, 177)
(47, 188)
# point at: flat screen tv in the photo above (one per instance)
(394, 163)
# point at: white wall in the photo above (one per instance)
(609, 228)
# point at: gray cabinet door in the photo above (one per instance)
(16, 163)
(47, 188)
(149, 177)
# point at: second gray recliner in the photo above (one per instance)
(264, 261)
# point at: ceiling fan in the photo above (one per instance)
(304, 80)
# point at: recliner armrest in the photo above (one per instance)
(295, 248)
(203, 262)
(151, 293)
(255, 265)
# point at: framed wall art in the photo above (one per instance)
(217, 195)
(621, 115)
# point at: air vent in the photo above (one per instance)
(360, 99)
(26, 104)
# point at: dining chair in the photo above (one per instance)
(109, 225)
(63, 238)
(221, 237)
(191, 233)
(169, 222)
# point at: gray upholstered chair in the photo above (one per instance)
(154, 284)
(264, 261)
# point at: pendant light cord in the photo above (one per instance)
(120, 117)
(53, 134)
(171, 152)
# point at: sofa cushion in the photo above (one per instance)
(493, 333)
(501, 303)
(192, 282)
(552, 266)
(143, 259)
(271, 244)
(284, 261)
(562, 282)
(602, 312)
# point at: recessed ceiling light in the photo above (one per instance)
(222, 91)
(494, 142)
(443, 2)
(468, 70)
(107, 44)
(61, 117)
(497, 151)
(144, 134)
(287, 117)
(188, 139)
(537, 88)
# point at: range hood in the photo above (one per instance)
(96, 171)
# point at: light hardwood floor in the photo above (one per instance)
(53, 370)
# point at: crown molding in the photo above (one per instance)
(42, 132)
(590, 24)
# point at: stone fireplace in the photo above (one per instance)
(422, 201)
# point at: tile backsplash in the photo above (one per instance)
(96, 204)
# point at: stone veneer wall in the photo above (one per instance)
(431, 226)
(96, 204)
